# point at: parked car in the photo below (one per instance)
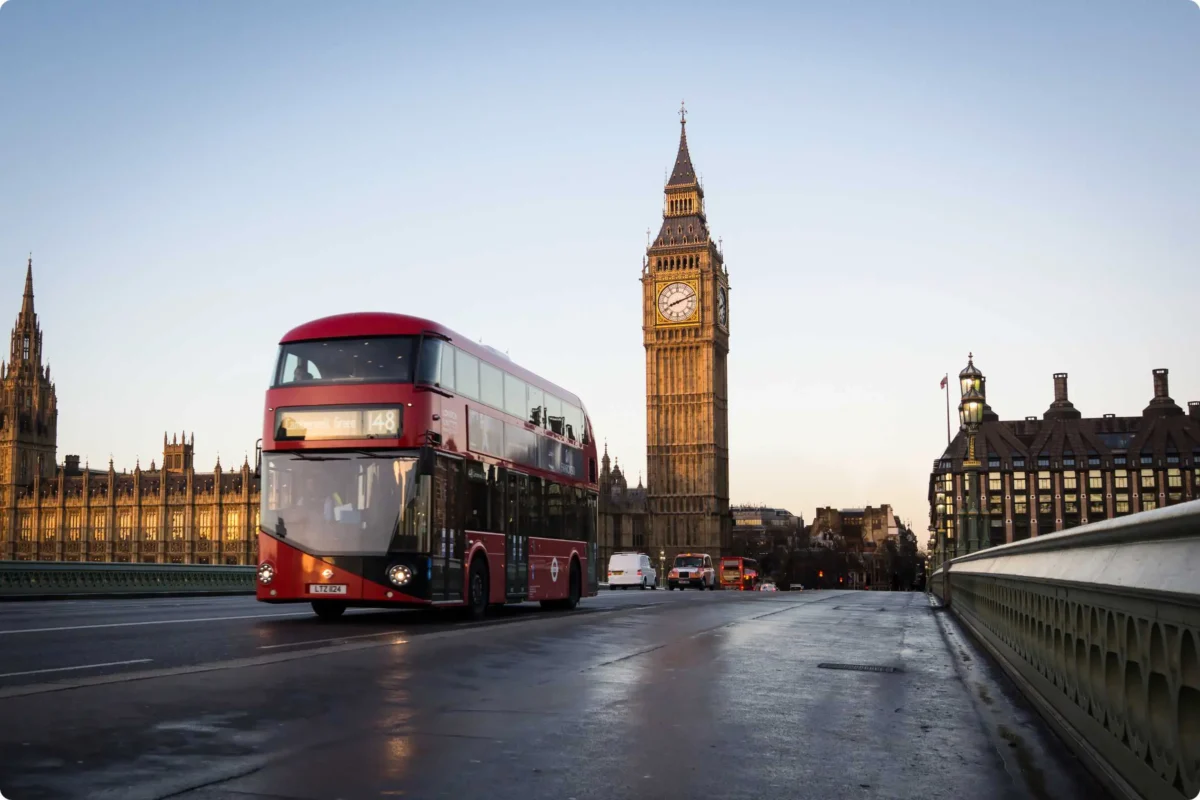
(768, 586)
(631, 569)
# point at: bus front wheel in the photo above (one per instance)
(328, 609)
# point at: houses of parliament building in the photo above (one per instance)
(168, 514)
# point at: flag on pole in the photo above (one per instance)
(944, 377)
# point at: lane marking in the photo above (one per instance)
(337, 639)
(153, 622)
(83, 666)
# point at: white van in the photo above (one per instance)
(631, 569)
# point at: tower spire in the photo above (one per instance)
(683, 174)
(27, 301)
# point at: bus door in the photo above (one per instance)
(447, 535)
(516, 540)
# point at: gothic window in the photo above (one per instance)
(205, 525)
(233, 526)
(150, 526)
(125, 529)
(98, 526)
(25, 348)
(176, 525)
(27, 527)
(49, 525)
(74, 526)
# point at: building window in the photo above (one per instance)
(1146, 460)
(149, 526)
(27, 527)
(1174, 497)
(1018, 482)
(993, 463)
(1095, 480)
(1018, 463)
(1070, 480)
(49, 525)
(1020, 505)
(74, 526)
(99, 520)
(125, 531)
(204, 524)
(1043, 481)
(1045, 505)
(1096, 505)
(1148, 479)
(233, 526)
(995, 482)
(1122, 503)
(1068, 460)
(176, 525)
(1172, 458)
(1149, 503)
(1119, 460)
(1070, 504)
(1043, 461)
(1174, 478)
(1093, 461)
(1121, 479)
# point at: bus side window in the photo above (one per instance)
(429, 365)
(532, 508)
(496, 508)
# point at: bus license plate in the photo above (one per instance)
(327, 588)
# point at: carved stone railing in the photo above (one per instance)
(1100, 628)
(52, 579)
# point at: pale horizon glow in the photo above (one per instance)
(895, 184)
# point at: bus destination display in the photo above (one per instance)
(309, 424)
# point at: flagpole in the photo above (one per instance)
(946, 382)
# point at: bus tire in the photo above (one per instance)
(477, 589)
(575, 590)
(328, 609)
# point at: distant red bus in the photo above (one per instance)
(740, 573)
(405, 465)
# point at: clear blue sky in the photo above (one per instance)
(896, 184)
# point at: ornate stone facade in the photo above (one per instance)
(624, 514)
(168, 515)
(685, 301)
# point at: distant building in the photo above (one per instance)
(624, 514)
(862, 530)
(167, 515)
(1047, 474)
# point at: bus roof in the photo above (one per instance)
(382, 323)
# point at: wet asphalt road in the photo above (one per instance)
(635, 695)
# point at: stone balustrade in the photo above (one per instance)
(51, 579)
(1099, 626)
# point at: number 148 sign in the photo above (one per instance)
(382, 421)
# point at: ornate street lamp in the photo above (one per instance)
(970, 415)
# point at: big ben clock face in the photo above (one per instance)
(722, 310)
(677, 302)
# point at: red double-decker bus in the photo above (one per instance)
(740, 573)
(404, 465)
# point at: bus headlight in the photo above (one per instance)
(399, 574)
(266, 573)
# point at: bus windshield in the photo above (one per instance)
(339, 503)
(380, 359)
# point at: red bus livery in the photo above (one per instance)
(740, 573)
(404, 465)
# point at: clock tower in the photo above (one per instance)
(685, 324)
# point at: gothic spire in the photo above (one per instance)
(27, 302)
(683, 174)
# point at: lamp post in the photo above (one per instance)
(662, 567)
(970, 415)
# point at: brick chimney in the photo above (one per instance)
(1160, 385)
(1061, 408)
(71, 465)
(1194, 409)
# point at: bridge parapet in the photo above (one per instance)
(48, 579)
(1100, 628)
